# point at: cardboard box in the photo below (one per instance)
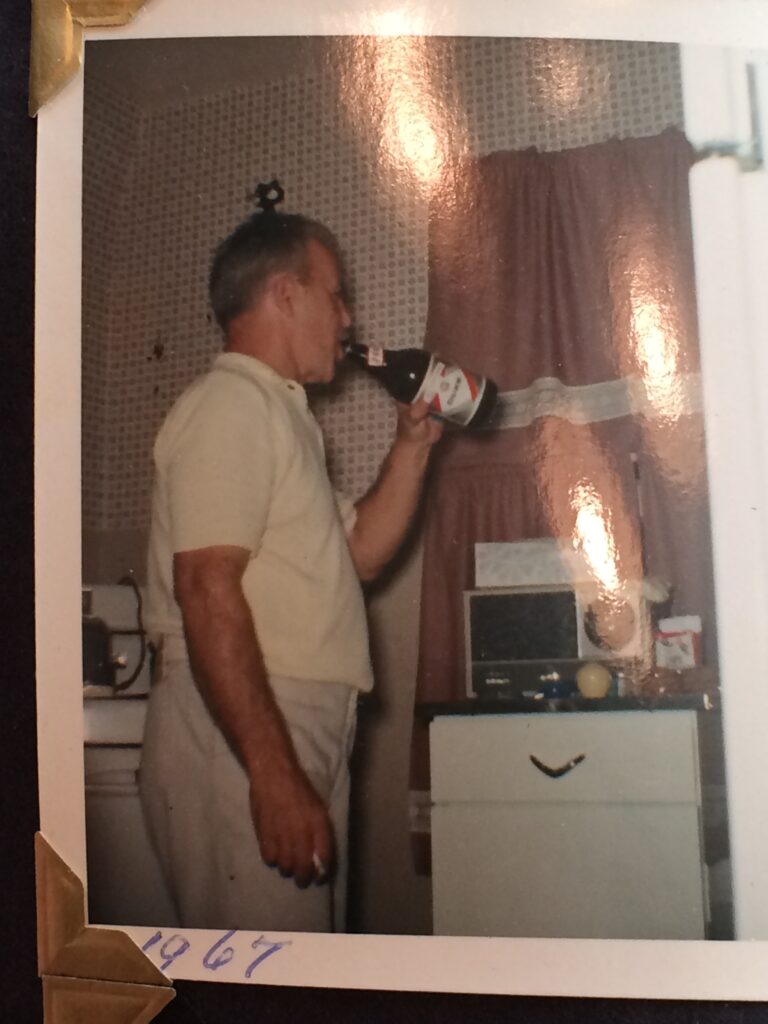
(678, 642)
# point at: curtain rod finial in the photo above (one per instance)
(267, 195)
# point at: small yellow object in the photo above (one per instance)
(593, 680)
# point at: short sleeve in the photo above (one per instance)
(220, 470)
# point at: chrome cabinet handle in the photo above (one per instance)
(557, 773)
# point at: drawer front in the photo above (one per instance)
(625, 756)
(601, 871)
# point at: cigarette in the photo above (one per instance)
(318, 865)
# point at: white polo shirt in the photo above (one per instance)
(240, 461)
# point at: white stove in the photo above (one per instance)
(115, 715)
(125, 885)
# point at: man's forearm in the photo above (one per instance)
(229, 668)
(386, 512)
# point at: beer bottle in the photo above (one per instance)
(411, 374)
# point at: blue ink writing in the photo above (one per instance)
(168, 956)
(219, 954)
(270, 948)
(226, 954)
(151, 942)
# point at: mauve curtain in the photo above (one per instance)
(567, 277)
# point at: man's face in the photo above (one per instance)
(322, 319)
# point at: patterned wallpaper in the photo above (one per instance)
(111, 139)
(353, 144)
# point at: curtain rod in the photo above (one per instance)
(748, 155)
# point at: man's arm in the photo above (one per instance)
(386, 511)
(291, 821)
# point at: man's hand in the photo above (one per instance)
(415, 425)
(292, 825)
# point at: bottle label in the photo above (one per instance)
(375, 356)
(453, 393)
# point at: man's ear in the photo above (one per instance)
(282, 289)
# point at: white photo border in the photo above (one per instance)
(620, 969)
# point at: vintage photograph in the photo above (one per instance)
(420, 503)
(520, 209)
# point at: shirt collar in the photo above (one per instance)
(259, 371)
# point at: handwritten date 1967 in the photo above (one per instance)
(219, 955)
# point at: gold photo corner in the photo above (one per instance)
(57, 40)
(88, 973)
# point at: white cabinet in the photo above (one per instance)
(609, 847)
(125, 884)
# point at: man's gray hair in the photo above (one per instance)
(265, 244)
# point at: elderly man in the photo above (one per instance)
(254, 597)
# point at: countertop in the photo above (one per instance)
(529, 705)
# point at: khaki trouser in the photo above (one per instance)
(196, 802)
